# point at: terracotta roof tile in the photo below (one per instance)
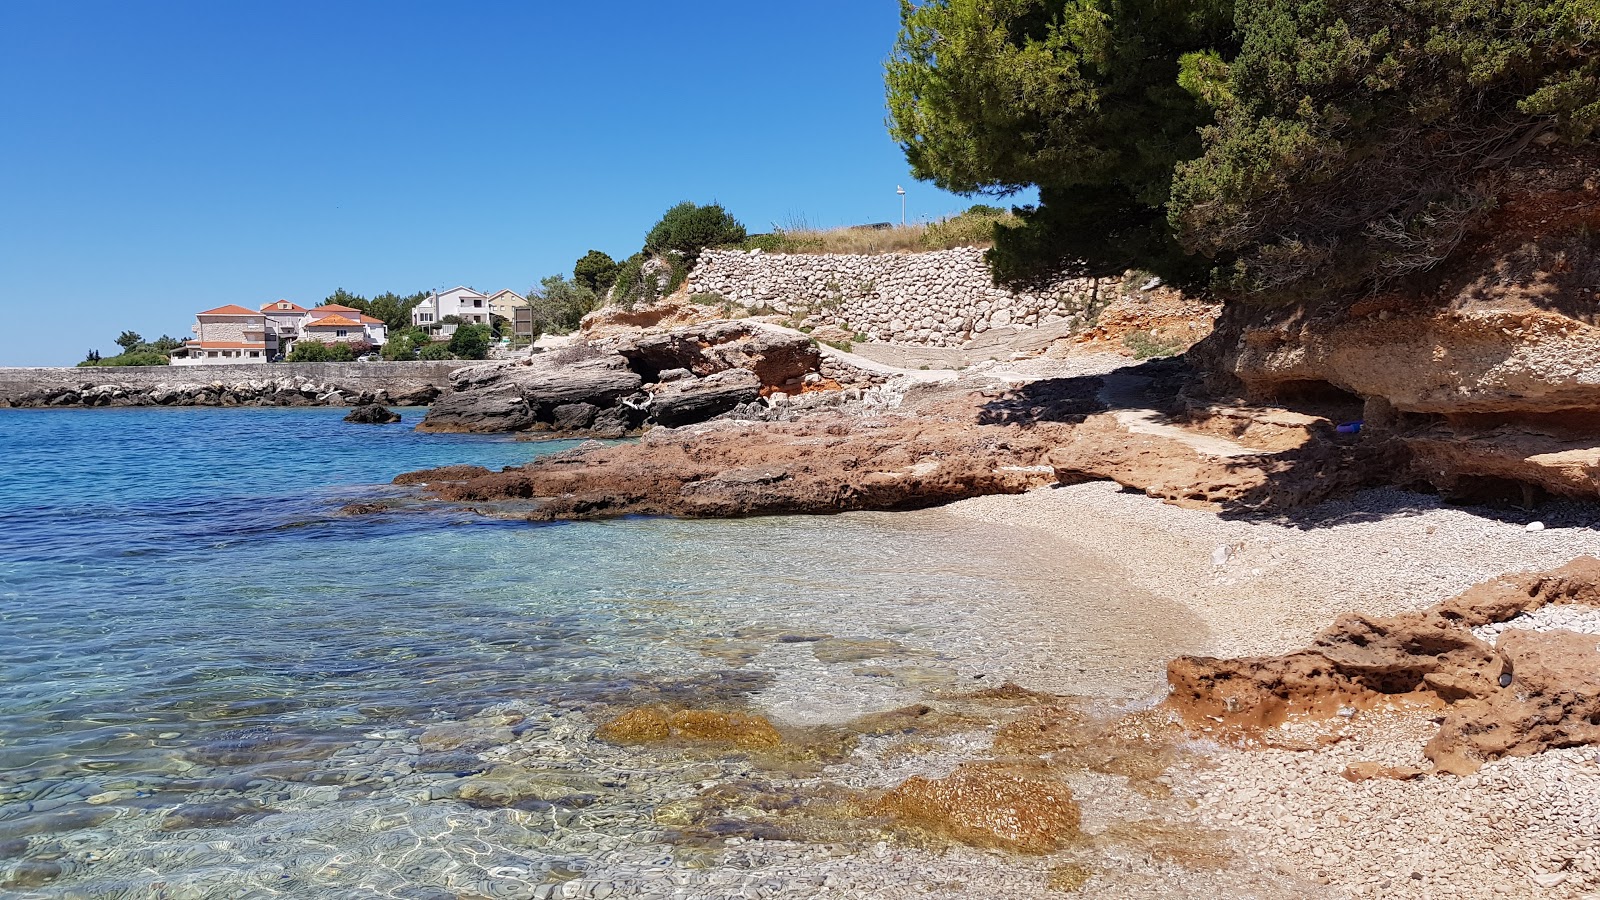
(331, 321)
(231, 309)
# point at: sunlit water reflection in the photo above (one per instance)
(213, 685)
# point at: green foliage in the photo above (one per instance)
(559, 304)
(1296, 147)
(595, 271)
(434, 352)
(401, 347)
(136, 351)
(135, 357)
(394, 309)
(310, 351)
(632, 287)
(687, 229)
(471, 342)
(340, 351)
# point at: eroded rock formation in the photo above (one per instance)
(607, 389)
(1528, 692)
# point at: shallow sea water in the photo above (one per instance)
(213, 685)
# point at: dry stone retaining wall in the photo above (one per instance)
(944, 298)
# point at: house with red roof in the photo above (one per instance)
(235, 334)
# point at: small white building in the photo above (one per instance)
(464, 302)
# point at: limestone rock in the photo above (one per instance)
(372, 414)
(685, 401)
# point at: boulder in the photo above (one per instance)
(1020, 807)
(685, 401)
(524, 394)
(777, 358)
(372, 414)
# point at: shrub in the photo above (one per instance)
(436, 352)
(688, 229)
(134, 358)
(310, 351)
(1152, 344)
(400, 348)
(341, 352)
(595, 271)
(471, 342)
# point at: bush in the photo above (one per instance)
(341, 352)
(436, 352)
(401, 347)
(595, 271)
(310, 351)
(1152, 345)
(471, 342)
(688, 229)
(134, 358)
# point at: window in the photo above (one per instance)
(255, 354)
(341, 332)
(478, 303)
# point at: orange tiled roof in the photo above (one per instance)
(330, 321)
(232, 309)
(368, 320)
(333, 308)
(273, 307)
(226, 345)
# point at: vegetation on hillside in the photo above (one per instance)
(1290, 148)
(973, 228)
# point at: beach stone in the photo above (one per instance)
(463, 736)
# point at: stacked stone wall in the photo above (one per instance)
(943, 298)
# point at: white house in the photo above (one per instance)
(227, 335)
(471, 306)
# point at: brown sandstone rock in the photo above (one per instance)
(1011, 806)
(1553, 700)
(443, 473)
(691, 726)
(1531, 692)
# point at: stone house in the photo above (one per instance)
(469, 305)
(227, 335)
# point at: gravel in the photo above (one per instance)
(1527, 827)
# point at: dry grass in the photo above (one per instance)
(970, 229)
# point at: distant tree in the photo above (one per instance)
(402, 346)
(688, 229)
(92, 357)
(452, 320)
(471, 342)
(342, 351)
(342, 297)
(559, 304)
(436, 352)
(595, 271)
(166, 344)
(129, 340)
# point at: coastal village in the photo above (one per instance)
(233, 334)
(1219, 520)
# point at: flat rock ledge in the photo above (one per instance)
(944, 442)
(1530, 691)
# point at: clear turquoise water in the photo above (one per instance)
(211, 684)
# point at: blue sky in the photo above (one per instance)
(163, 158)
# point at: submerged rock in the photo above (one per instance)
(690, 726)
(1011, 806)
